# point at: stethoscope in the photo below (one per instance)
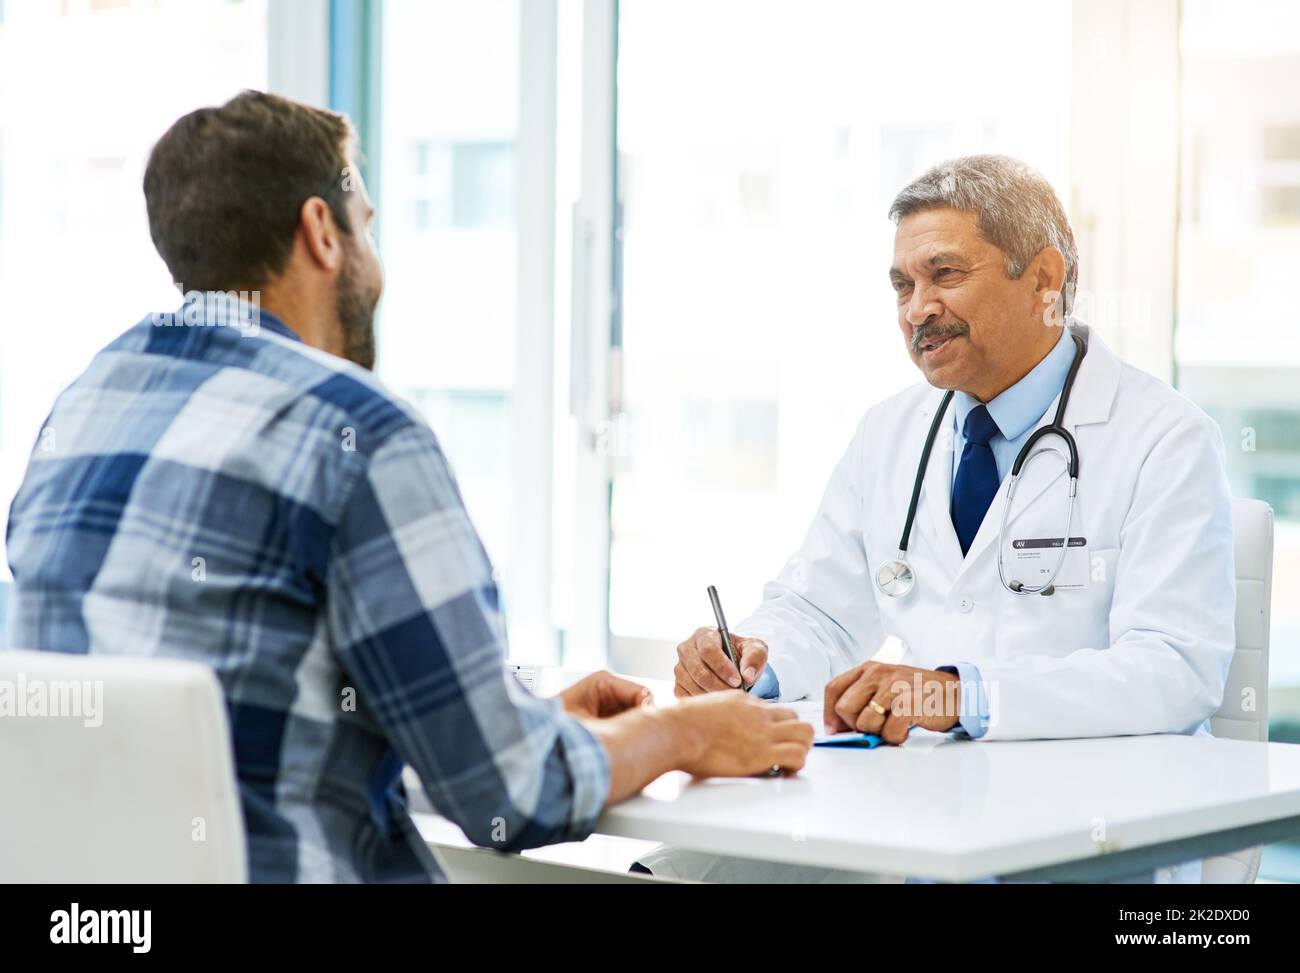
(896, 578)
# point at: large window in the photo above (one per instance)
(86, 88)
(450, 83)
(466, 187)
(653, 299)
(759, 147)
(1238, 330)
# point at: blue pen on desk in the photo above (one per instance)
(726, 636)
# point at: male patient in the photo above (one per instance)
(230, 484)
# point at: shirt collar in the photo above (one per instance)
(1023, 404)
(269, 321)
(226, 309)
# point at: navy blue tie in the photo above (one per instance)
(977, 477)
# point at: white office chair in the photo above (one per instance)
(1244, 716)
(149, 795)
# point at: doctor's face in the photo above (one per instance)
(968, 325)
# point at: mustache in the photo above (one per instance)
(929, 332)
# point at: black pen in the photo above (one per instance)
(731, 654)
(726, 636)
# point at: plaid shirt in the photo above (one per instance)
(211, 491)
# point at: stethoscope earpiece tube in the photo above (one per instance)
(920, 473)
(1052, 430)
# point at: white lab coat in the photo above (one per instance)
(1144, 649)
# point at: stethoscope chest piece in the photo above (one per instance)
(895, 578)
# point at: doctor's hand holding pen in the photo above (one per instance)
(703, 667)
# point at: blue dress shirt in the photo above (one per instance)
(766, 685)
(1016, 411)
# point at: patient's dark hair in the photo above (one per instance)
(224, 187)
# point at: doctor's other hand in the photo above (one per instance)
(893, 691)
(734, 735)
(602, 695)
(702, 666)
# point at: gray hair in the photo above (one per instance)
(1017, 210)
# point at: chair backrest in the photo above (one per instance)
(1243, 714)
(116, 769)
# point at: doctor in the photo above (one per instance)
(1006, 633)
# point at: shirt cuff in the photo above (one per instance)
(766, 685)
(589, 771)
(974, 711)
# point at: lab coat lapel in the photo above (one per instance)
(1094, 392)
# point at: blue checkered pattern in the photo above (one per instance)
(233, 496)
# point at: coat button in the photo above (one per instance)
(965, 603)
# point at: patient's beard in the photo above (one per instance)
(356, 314)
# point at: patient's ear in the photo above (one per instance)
(320, 234)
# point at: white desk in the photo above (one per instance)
(956, 810)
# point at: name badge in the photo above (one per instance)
(1032, 560)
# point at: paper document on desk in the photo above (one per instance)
(812, 710)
